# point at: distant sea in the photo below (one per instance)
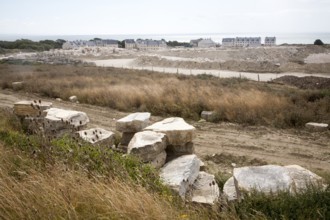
(289, 38)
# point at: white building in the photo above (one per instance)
(130, 44)
(194, 43)
(206, 43)
(270, 41)
(150, 44)
(228, 42)
(248, 41)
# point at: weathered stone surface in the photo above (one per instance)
(317, 126)
(59, 99)
(178, 132)
(17, 85)
(205, 189)
(126, 138)
(73, 98)
(59, 122)
(133, 123)
(302, 177)
(147, 145)
(33, 124)
(98, 136)
(159, 160)
(181, 173)
(179, 150)
(208, 115)
(229, 189)
(271, 178)
(268, 178)
(31, 108)
(61, 116)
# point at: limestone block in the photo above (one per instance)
(159, 160)
(31, 108)
(208, 115)
(147, 145)
(17, 85)
(178, 132)
(317, 126)
(205, 189)
(180, 173)
(133, 123)
(98, 136)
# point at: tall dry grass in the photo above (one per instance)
(27, 193)
(234, 100)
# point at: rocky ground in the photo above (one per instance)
(222, 144)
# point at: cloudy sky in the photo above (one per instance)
(79, 17)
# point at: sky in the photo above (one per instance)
(82, 17)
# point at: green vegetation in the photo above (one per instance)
(177, 44)
(318, 42)
(66, 178)
(24, 44)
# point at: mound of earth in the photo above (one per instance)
(308, 82)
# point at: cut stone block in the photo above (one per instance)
(73, 98)
(133, 123)
(61, 116)
(317, 126)
(179, 150)
(229, 189)
(205, 189)
(180, 173)
(159, 160)
(98, 136)
(31, 108)
(17, 85)
(126, 138)
(208, 115)
(178, 132)
(59, 122)
(271, 178)
(147, 145)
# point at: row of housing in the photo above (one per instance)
(158, 44)
(248, 41)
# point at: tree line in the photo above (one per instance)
(25, 44)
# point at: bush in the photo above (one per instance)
(318, 42)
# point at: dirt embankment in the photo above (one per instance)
(260, 60)
(234, 143)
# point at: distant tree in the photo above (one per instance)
(318, 42)
(121, 44)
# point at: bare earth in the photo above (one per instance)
(226, 142)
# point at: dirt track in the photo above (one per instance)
(235, 142)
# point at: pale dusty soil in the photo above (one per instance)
(238, 144)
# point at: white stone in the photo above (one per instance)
(17, 85)
(317, 126)
(97, 136)
(302, 177)
(178, 132)
(205, 189)
(33, 108)
(268, 178)
(229, 189)
(147, 145)
(73, 98)
(271, 178)
(75, 118)
(208, 115)
(181, 173)
(159, 160)
(134, 122)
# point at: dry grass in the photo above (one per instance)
(234, 100)
(65, 194)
